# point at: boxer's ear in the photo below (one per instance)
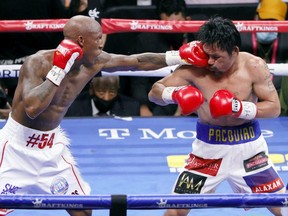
(236, 49)
(80, 40)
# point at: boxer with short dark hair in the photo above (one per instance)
(224, 94)
(49, 82)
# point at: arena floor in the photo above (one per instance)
(143, 156)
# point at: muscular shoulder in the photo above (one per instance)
(191, 71)
(41, 58)
(103, 58)
(38, 62)
(184, 75)
(255, 65)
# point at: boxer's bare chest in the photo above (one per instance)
(71, 86)
(239, 83)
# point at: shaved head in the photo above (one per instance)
(87, 33)
(80, 25)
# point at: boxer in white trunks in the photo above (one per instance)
(228, 92)
(35, 158)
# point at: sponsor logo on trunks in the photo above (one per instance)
(231, 135)
(189, 183)
(207, 166)
(59, 186)
(256, 162)
(176, 163)
(40, 141)
(75, 192)
(266, 181)
(10, 189)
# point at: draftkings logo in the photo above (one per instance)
(163, 203)
(43, 204)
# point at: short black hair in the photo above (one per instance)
(220, 31)
(171, 6)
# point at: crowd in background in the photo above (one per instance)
(128, 96)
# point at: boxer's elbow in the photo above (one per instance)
(272, 110)
(277, 110)
(151, 96)
(272, 114)
(155, 95)
(32, 110)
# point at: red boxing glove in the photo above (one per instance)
(194, 54)
(66, 53)
(224, 103)
(190, 53)
(64, 57)
(188, 98)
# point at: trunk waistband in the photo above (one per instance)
(228, 135)
(29, 137)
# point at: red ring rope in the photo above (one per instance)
(132, 25)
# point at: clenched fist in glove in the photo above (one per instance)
(188, 98)
(224, 103)
(190, 54)
(64, 57)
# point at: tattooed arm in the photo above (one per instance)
(263, 87)
(142, 61)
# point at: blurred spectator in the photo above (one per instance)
(5, 102)
(271, 46)
(158, 42)
(104, 99)
(76, 6)
(92, 8)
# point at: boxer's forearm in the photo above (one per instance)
(150, 61)
(268, 109)
(142, 61)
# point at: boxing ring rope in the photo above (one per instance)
(118, 204)
(12, 71)
(111, 26)
(130, 202)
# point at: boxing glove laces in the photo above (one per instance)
(64, 57)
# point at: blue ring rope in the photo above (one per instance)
(193, 201)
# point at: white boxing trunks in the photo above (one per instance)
(37, 162)
(236, 154)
